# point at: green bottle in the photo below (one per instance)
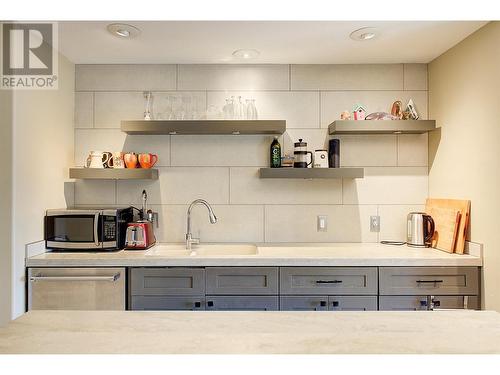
(275, 154)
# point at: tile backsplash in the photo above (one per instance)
(224, 169)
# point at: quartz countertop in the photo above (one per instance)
(332, 254)
(186, 332)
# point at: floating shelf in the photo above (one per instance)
(312, 173)
(381, 126)
(203, 127)
(113, 174)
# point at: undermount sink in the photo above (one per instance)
(202, 250)
(224, 250)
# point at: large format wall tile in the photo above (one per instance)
(347, 77)
(412, 150)
(233, 77)
(393, 221)
(125, 77)
(220, 150)
(335, 102)
(179, 185)
(234, 223)
(224, 169)
(299, 109)
(248, 188)
(415, 76)
(387, 185)
(113, 107)
(95, 192)
(368, 150)
(87, 140)
(298, 223)
(84, 110)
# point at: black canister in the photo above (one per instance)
(334, 153)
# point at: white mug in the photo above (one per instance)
(118, 161)
(320, 159)
(97, 159)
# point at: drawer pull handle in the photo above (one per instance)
(112, 278)
(429, 281)
(322, 303)
(197, 305)
(210, 303)
(335, 303)
(328, 281)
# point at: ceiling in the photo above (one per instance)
(291, 42)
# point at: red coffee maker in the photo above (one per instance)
(140, 234)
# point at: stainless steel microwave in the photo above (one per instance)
(87, 229)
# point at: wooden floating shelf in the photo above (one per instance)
(312, 173)
(113, 174)
(381, 126)
(204, 127)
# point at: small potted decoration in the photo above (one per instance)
(359, 112)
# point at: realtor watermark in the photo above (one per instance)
(29, 55)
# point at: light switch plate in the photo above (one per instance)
(322, 222)
(375, 223)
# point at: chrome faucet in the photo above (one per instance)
(213, 219)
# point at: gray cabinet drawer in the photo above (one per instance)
(167, 281)
(242, 280)
(304, 303)
(352, 303)
(331, 303)
(402, 303)
(242, 303)
(328, 280)
(167, 303)
(428, 280)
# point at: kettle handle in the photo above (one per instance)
(429, 221)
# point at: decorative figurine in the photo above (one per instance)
(410, 107)
(346, 115)
(397, 109)
(359, 112)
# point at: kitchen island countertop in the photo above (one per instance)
(333, 254)
(109, 332)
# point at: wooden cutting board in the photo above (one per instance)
(447, 221)
(461, 206)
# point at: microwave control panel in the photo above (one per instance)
(109, 228)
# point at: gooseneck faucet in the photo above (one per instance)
(213, 219)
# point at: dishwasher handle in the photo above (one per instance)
(111, 278)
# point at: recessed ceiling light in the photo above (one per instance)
(122, 30)
(246, 53)
(366, 33)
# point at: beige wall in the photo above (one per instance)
(43, 152)
(464, 158)
(5, 205)
(224, 169)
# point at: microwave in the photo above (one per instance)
(94, 229)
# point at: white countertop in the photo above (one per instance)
(107, 332)
(333, 254)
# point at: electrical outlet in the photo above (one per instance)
(375, 223)
(322, 222)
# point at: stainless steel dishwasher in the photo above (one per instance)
(76, 289)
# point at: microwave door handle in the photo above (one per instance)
(96, 229)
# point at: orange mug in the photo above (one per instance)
(147, 160)
(130, 160)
